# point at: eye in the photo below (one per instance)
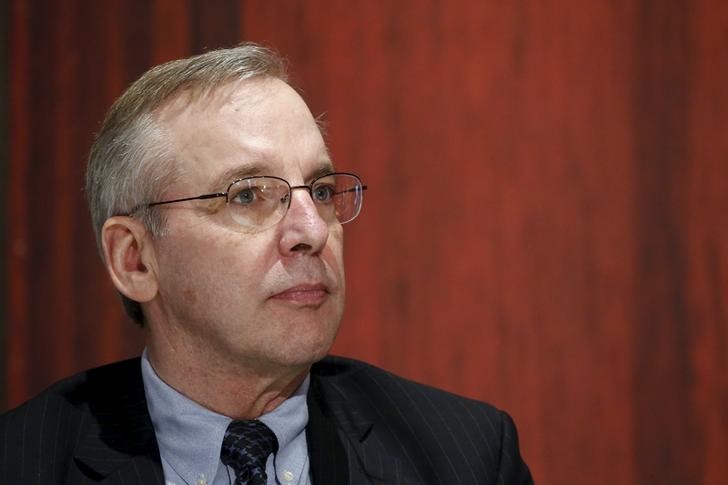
(323, 193)
(247, 196)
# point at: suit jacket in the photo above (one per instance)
(366, 426)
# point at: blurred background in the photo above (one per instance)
(544, 227)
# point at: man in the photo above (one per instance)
(219, 217)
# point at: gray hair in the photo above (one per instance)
(130, 162)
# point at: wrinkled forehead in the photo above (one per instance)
(262, 122)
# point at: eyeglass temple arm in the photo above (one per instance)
(355, 189)
(199, 197)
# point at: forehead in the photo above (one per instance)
(259, 126)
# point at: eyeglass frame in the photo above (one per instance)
(291, 188)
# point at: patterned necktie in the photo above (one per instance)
(245, 449)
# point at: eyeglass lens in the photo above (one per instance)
(257, 203)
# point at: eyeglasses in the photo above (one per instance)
(258, 203)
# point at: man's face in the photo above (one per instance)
(264, 299)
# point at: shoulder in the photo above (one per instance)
(421, 420)
(77, 392)
(45, 429)
(355, 378)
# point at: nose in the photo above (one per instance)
(302, 228)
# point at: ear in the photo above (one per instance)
(129, 257)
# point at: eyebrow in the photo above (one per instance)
(326, 167)
(222, 181)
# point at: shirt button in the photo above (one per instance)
(287, 476)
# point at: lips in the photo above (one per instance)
(308, 294)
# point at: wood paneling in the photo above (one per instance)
(544, 228)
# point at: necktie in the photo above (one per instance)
(245, 448)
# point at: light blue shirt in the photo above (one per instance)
(190, 436)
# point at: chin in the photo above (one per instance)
(312, 353)
(301, 338)
(304, 352)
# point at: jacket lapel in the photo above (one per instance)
(117, 443)
(112, 462)
(329, 460)
(342, 427)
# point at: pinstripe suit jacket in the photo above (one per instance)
(365, 426)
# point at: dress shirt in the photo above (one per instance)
(190, 436)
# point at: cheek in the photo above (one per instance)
(187, 276)
(208, 274)
(234, 268)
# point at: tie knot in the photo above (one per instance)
(245, 448)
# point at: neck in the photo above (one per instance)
(235, 390)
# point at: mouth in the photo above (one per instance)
(304, 295)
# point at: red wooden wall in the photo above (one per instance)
(545, 227)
